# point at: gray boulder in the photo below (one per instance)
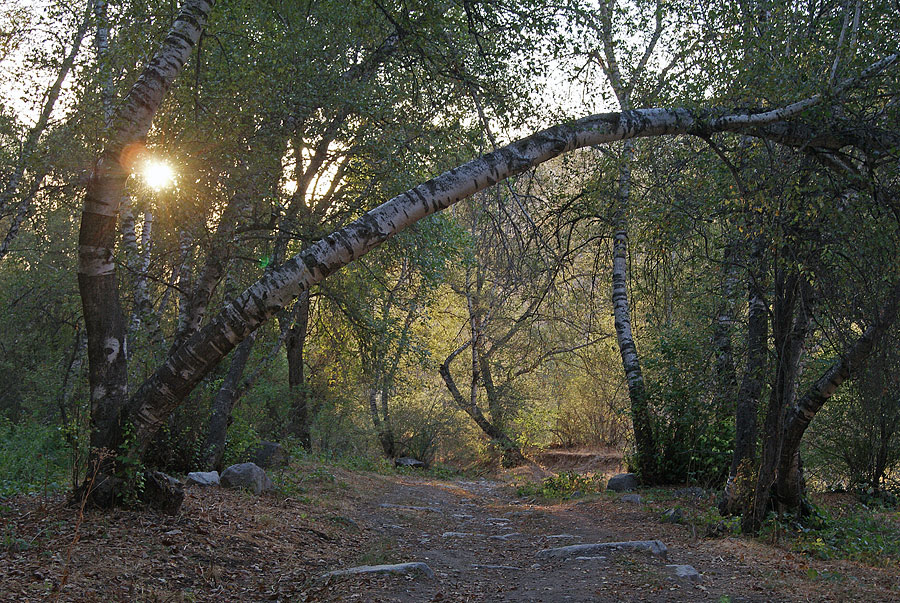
(632, 498)
(269, 454)
(202, 478)
(654, 547)
(416, 567)
(407, 461)
(249, 476)
(622, 482)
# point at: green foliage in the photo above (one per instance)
(709, 523)
(242, 438)
(694, 436)
(33, 458)
(562, 486)
(856, 532)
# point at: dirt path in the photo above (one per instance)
(480, 540)
(482, 544)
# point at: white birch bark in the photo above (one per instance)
(105, 324)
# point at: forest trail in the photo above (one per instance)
(478, 537)
(482, 542)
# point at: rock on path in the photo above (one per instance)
(415, 567)
(654, 547)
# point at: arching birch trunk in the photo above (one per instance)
(188, 364)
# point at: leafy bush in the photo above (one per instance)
(855, 532)
(694, 436)
(564, 485)
(33, 458)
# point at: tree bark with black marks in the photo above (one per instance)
(105, 323)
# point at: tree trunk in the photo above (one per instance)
(97, 283)
(739, 487)
(645, 444)
(295, 343)
(726, 378)
(223, 404)
(790, 323)
(512, 456)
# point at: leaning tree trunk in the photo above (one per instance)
(789, 485)
(223, 405)
(512, 456)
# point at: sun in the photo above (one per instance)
(158, 174)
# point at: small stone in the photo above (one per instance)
(406, 461)
(672, 516)
(622, 482)
(686, 572)
(561, 536)
(456, 534)
(409, 508)
(505, 537)
(202, 478)
(654, 547)
(632, 498)
(591, 558)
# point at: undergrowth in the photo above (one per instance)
(33, 459)
(869, 535)
(566, 485)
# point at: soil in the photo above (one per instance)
(478, 537)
